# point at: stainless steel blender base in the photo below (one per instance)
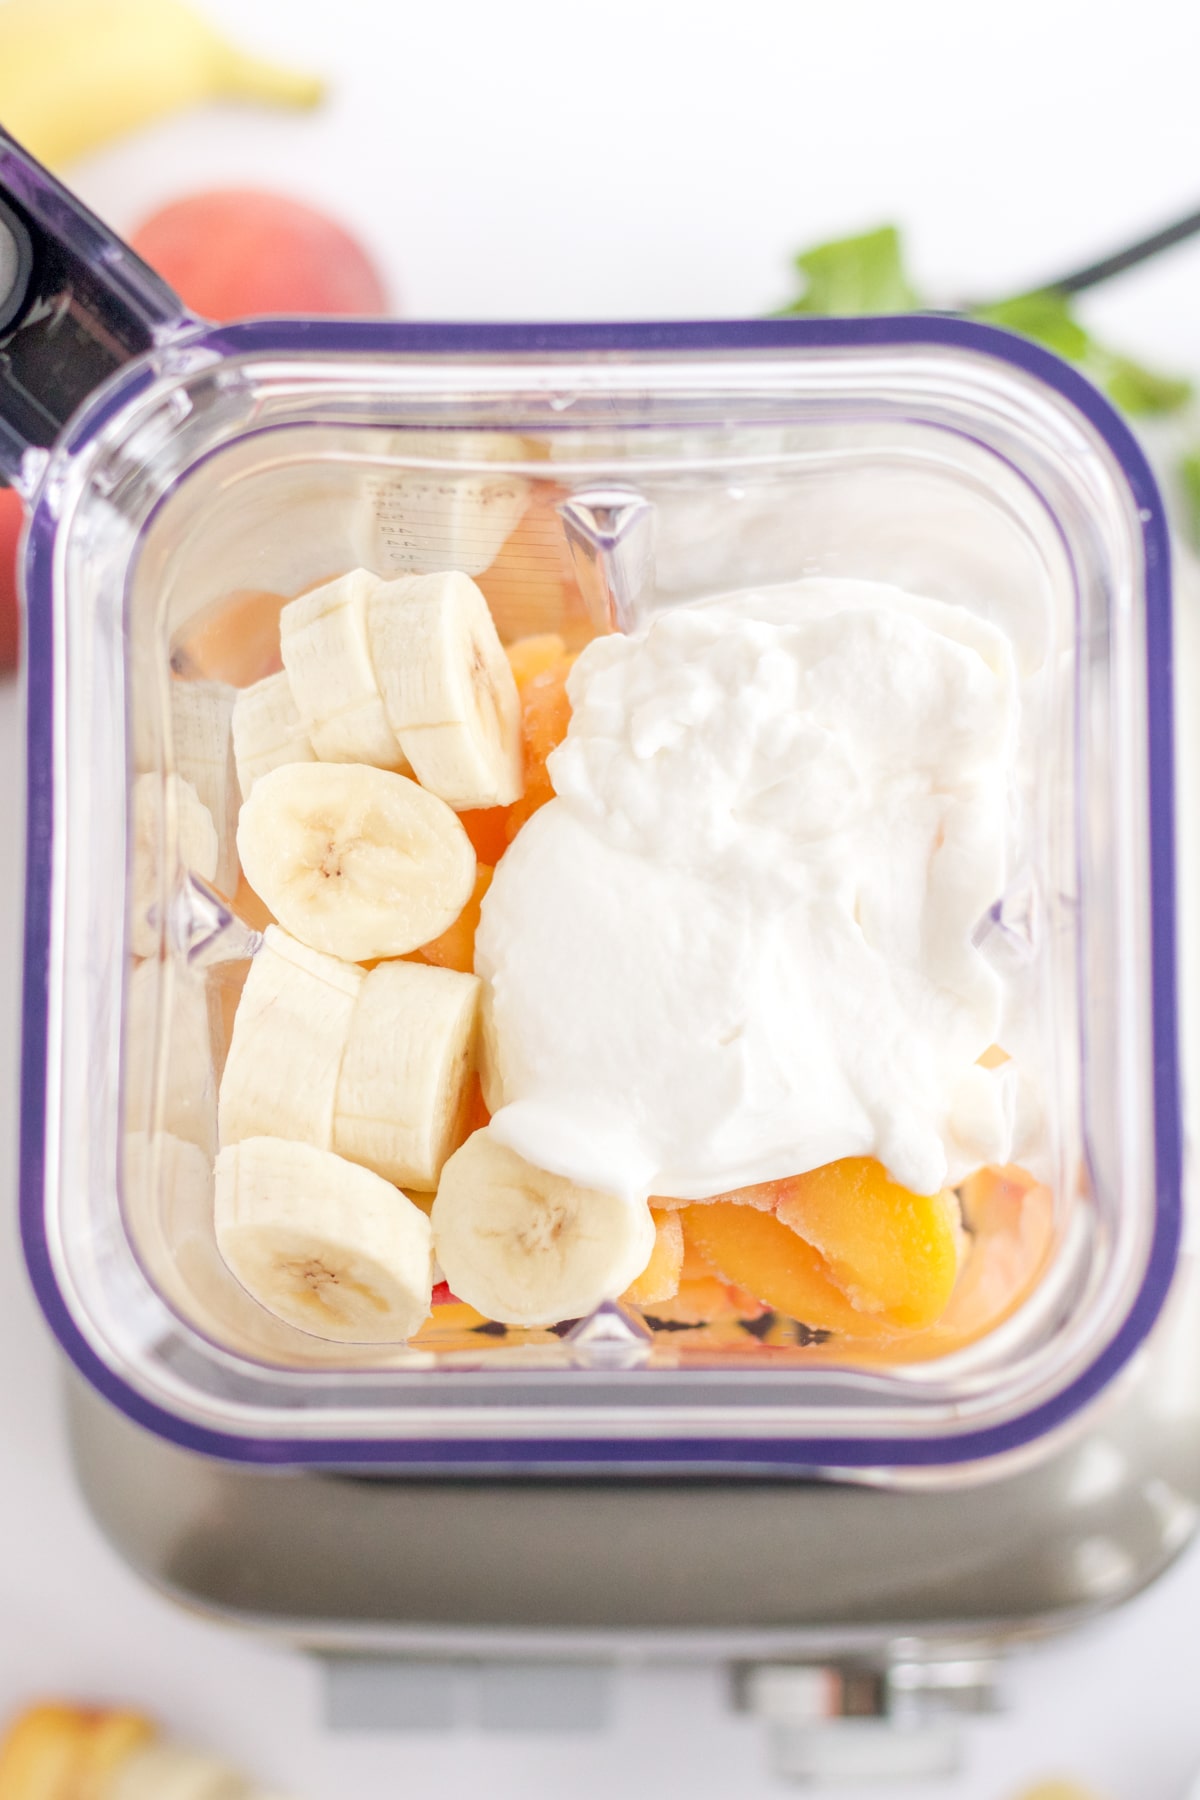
(832, 1600)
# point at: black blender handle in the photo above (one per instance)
(75, 303)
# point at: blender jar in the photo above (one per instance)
(589, 479)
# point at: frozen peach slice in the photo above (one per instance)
(1011, 1220)
(531, 588)
(765, 1196)
(754, 1251)
(487, 828)
(455, 948)
(545, 715)
(895, 1253)
(531, 656)
(236, 640)
(475, 1113)
(659, 1280)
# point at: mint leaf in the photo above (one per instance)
(1140, 391)
(855, 275)
(866, 274)
(1045, 317)
(1188, 470)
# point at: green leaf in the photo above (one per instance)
(866, 274)
(1141, 391)
(855, 275)
(1045, 317)
(1188, 470)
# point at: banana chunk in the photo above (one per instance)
(327, 658)
(530, 1248)
(167, 1050)
(402, 1089)
(267, 731)
(417, 521)
(202, 746)
(172, 829)
(323, 1244)
(289, 1035)
(448, 688)
(354, 860)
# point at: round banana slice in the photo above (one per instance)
(323, 1244)
(447, 687)
(354, 860)
(530, 1248)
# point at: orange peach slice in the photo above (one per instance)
(531, 656)
(545, 715)
(754, 1251)
(235, 640)
(893, 1252)
(455, 948)
(1011, 1220)
(487, 828)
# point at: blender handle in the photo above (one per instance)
(75, 303)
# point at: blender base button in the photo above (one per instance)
(384, 1693)
(380, 1693)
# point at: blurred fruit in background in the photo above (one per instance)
(234, 252)
(1052, 1790)
(75, 74)
(58, 1751)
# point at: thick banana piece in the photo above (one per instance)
(530, 1248)
(402, 1088)
(74, 75)
(448, 688)
(171, 829)
(354, 860)
(201, 712)
(327, 657)
(325, 1245)
(289, 1035)
(417, 521)
(267, 731)
(169, 1079)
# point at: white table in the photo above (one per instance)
(648, 159)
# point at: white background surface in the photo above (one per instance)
(534, 159)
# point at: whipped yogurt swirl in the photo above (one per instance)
(738, 944)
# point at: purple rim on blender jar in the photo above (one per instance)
(157, 321)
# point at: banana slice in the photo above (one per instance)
(448, 688)
(323, 642)
(325, 1245)
(403, 1081)
(289, 1035)
(202, 744)
(530, 1248)
(171, 829)
(267, 731)
(354, 860)
(417, 521)
(169, 1080)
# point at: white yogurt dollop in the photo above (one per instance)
(739, 943)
